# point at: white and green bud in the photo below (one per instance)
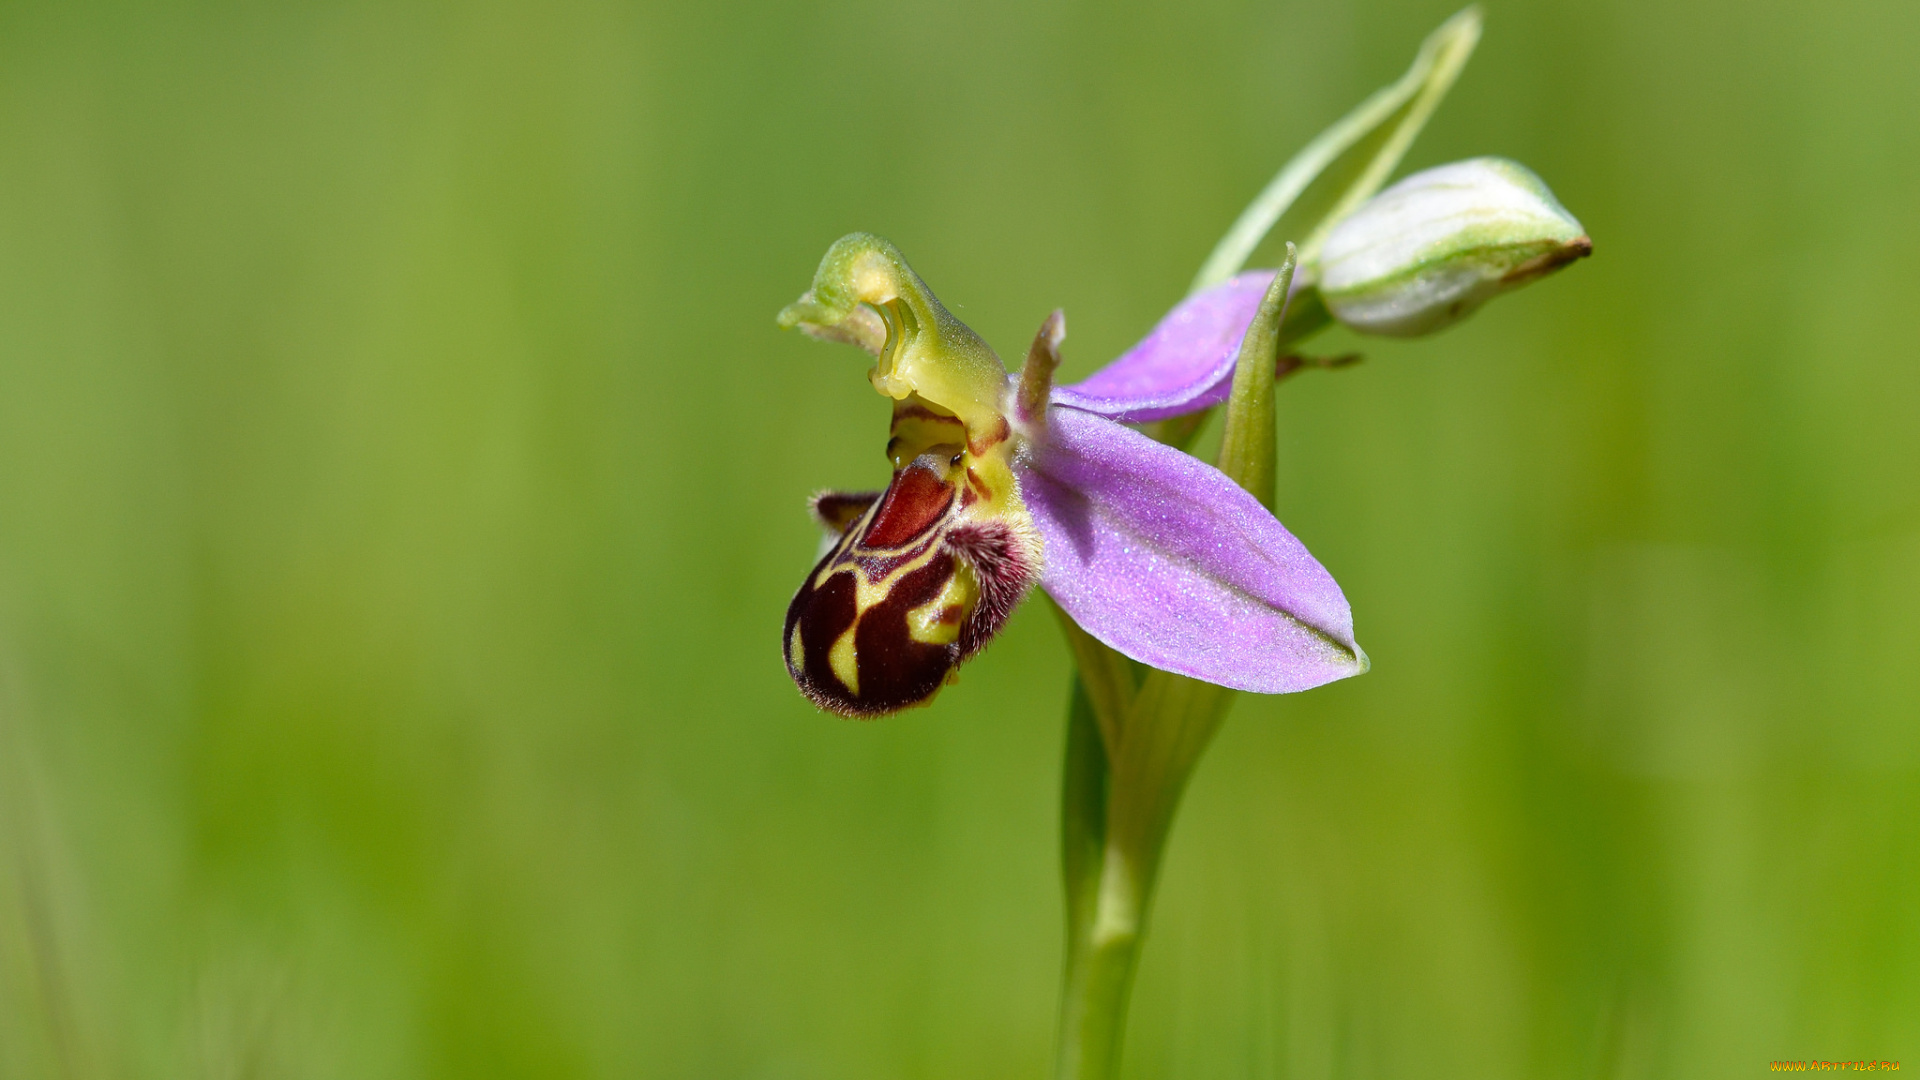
(1424, 253)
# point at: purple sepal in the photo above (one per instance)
(1161, 556)
(1184, 365)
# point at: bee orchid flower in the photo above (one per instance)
(1002, 481)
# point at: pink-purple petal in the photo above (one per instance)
(1165, 559)
(1183, 365)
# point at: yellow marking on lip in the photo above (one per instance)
(796, 656)
(867, 593)
(844, 661)
(938, 621)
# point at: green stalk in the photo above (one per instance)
(1344, 165)
(1093, 999)
(1115, 893)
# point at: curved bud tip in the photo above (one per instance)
(1428, 251)
(859, 272)
(865, 294)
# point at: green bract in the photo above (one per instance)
(1427, 251)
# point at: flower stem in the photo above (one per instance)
(1116, 815)
(1093, 999)
(1099, 979)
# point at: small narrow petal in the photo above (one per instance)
(1185, 364)
(1034, 385)
(837, 511)
(1162, 557)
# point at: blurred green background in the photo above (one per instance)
(401, 485)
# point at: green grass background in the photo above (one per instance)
(401, 485)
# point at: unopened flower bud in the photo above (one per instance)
(1424, 253)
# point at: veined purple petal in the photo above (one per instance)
(1185, 364)
(1164, 558)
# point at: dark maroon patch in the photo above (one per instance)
(917, 498)
(895, 670)
(840, 510)
(822, 615)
